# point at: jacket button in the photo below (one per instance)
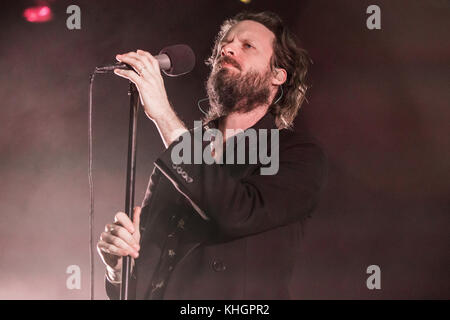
(218, 265)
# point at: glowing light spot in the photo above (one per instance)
(246, 1)
(38, 14)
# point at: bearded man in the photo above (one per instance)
(223, 231)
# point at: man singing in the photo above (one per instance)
(223, 230)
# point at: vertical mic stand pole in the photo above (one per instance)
(131, 174)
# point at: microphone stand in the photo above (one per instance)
(130, 182)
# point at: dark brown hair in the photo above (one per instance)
(287, 55)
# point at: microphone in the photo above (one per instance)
(173, 60)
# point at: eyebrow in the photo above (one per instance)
(245, 38)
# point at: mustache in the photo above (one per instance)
(227, 59)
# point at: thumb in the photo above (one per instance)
(136, 217)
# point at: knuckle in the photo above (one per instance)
(117, 230)
(123, 233)
(115, 241)
(109, 249)
(120, 238)
(150, 58)
(111, 232)
(104, 247)
(119, 216)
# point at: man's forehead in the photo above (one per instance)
(252, 29)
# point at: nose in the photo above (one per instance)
(227, 50)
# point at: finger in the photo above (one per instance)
(121, 245)
(136, 61)
(150, 59)
(103, 247)
(129, 55)
(121, 218)
(137, 217)
(111, 249)
(130, 75)
(123, 234)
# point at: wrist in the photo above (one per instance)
(164, 113)
(165, 110)
(113, 275)
(169, 126)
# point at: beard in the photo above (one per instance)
(230, 91)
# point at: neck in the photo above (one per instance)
(241, 121)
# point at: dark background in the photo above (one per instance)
(379, 104)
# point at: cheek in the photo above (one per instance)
(251, 66)
(260, 70)
(260, 65)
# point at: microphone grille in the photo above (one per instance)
(182, 59)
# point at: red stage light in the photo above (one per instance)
(38, 14)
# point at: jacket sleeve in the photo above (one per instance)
(113, 289)
(257, 202)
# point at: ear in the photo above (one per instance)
(279, 76)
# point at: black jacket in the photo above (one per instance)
(246, 249)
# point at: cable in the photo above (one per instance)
(91, 190)
(200, 108)
(281, 95)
